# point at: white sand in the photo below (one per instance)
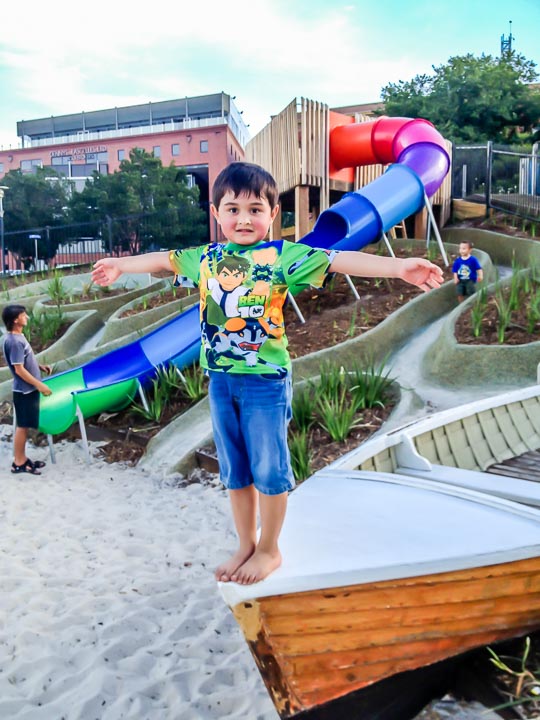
(108, 606)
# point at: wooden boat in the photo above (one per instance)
(491, 445)
(385, 575)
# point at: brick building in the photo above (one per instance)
(201, 134)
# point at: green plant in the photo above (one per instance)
(303, 408)
(43, 329)
(332, 380)
(301, 456)
(527, 682)
(370, 385)
(352, 322)
(57, 290)
(155, 405)
(504, 315)
(478, 311)
(337, 415)
(193, 380)
(533, 311)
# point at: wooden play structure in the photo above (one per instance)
(294, 147)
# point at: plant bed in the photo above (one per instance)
(157, 299)
(510, 315)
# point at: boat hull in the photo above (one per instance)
(316, 646)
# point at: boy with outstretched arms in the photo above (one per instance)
(244, 346)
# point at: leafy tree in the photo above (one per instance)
(472, 99)
(38, 201)
(152, 205)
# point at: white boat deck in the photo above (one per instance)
(346, 527)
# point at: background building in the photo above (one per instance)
(201, 134)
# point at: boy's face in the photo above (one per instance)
(245, 219)
(464, 249)
(21, 320)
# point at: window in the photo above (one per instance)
(62, 160)
(204, 146)
(156, 150)
(121, 155)
(175, 149)
(30, 165)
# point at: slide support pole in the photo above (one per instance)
(388, 245)
(296, 308)
(143, 396)
(82, 427)
(51, 449)
(352, 286)
(431, 217)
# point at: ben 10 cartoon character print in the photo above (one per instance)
(242, 294)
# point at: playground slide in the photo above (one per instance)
(111, 381)
(420, 163)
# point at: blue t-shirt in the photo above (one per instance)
(466, 269)
(17, 351)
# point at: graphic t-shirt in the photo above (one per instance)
(242, 293)
(466, 269)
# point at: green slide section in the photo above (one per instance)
(58, 411)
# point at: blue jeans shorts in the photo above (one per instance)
(250, 415)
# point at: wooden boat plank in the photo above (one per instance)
(532, 409)
(494, 437)
(523, 425)
(459, 444)
(444, 452)
(509, 431)
(477, 442)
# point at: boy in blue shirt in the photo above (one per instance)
(244, 348)
(467, 271)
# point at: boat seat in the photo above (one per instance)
(510, 488)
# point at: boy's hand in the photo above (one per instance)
(422, 273)
(44, 389)
(105, 271)
(47, 369)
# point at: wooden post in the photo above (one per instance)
(275, 227)
(420, 224)
(301, 211)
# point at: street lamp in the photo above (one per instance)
(3, 188)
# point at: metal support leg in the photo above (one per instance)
(296, 308)
(436, 229)
(82, 427)
(388, 245)
(352, 286)
(51, 449)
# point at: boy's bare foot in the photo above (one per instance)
(225, 571)
(257, 567)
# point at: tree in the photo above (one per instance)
(472, 99)
(152, 205)
(37, 201)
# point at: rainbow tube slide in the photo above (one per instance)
(419, 164)
(111, 381)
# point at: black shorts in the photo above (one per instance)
(26, 409)
(465, 288)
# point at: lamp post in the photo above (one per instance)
(3, 188)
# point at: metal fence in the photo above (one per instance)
(83, 243)
(505, 178)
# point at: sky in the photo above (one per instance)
(62, 57)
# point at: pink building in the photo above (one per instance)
(201, 134)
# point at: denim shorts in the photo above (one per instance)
(250, 415)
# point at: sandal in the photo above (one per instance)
(26, 467)
(37, 463)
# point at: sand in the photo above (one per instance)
(108, 605)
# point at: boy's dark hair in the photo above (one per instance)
(466, 242)
(10, 313)
(244, 178)
(232, 263)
